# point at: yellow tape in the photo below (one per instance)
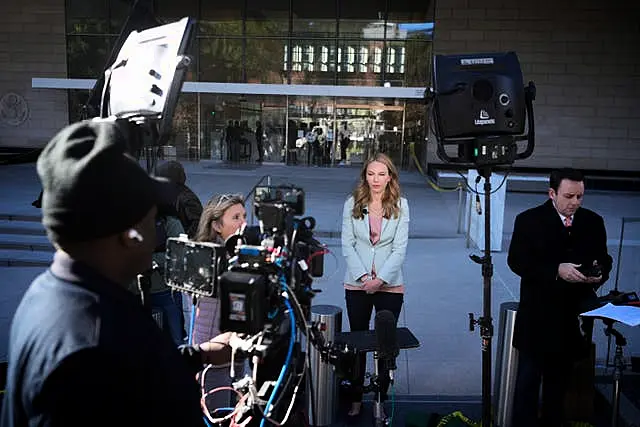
(412, 149)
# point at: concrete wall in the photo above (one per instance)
(584, 57)
(32, 44)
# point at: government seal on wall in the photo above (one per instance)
(13, 109)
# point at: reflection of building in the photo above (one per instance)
(355, 58)
(589, 120)
(345, 44)
(381, 30)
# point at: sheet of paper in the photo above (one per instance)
(620, 313)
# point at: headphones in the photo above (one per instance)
(134, 235)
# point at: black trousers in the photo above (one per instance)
(359, 308)
(554, 373)
(344, 144)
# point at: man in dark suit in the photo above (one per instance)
(554, 250)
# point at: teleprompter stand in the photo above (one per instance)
(618, 367)
(366, 342)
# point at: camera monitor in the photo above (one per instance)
(478, 95)
(194, 267)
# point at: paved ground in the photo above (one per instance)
(443, 285)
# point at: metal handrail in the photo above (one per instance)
(253, 190)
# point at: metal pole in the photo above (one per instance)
(469, 207)
(378, 420)
(619, 254)
(286, 130)
(486, 323)
(460, 208)
(335, 134)
(199, 126)
(404, 116)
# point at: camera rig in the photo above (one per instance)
(265, 287)
(263, 283)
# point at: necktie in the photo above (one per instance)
(567, 221)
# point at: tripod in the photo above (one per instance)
(485, 322)
(618, 367)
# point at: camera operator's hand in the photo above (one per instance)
(569, 273)
(373, 285)
(216, 351)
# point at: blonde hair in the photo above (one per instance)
(212, 214)
(391, 196)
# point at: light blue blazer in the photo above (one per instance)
(387, 254)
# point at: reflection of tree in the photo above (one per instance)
(185, 120)
(87, 55)
(77, 100)
(222, 59)
(418, 53)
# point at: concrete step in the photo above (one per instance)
(24, 258)
(23, 242)
(30, 242)
(22, 227)
(19, 217)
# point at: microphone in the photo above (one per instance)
(386, 338)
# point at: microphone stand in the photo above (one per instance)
(379, 419)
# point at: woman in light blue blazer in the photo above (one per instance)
(375, 229)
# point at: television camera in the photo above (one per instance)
(262, 277)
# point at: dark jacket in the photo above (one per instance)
(189, 209)
(83, 351)
(547, 318)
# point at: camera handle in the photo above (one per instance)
(144, 285)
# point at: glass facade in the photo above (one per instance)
(341, 42)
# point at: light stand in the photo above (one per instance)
(485, 322)
(480, 105)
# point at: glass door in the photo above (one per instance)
(372, 126)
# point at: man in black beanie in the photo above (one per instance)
(82, 349)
